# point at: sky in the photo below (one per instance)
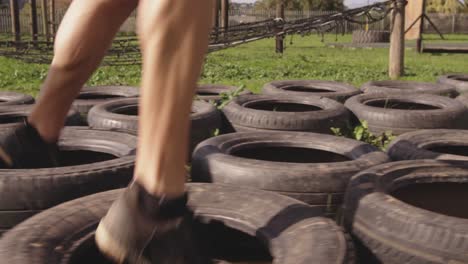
(348, 3)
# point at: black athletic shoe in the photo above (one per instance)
(23, 148)
(140, 228)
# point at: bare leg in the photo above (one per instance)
(84, 36)
(174, 40)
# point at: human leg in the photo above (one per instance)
(84, 36)
(174, 39)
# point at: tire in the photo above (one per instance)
(371, 36)
(26, 192)
(463, 99)
(291, 230)
(91, 96)
(411, 211)
(440, 144)
(13, 98)
(333, 90)
(382, 114)
(412, 87)
(317, 175)
(212, 92)
(459, 81)
(14, 115)
(123, 115)
(314, 114)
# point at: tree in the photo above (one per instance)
(446, 6)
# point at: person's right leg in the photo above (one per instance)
(151, 215)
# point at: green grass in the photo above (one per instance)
(256, 63)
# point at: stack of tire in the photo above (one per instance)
(270, 187)
(282, 143)
(405, 106)
(411, 210)
(101, 158)
(371, 36)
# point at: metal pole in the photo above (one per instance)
(419, 40)
(279, 14)
(397, 40)
(34, 29)
(15, 22)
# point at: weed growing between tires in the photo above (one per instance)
(226, 98)
(361, 132)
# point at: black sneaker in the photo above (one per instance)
(23, 148)
(140, 228)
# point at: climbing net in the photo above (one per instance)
(126, 51)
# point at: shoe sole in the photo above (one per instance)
(108, 246)
(115, 251)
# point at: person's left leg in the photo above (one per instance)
(84, 35)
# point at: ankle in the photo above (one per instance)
(43, 131)
(159, 206)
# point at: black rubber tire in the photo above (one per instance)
(464, 99)
(321, 183)
(291, 230)
(205, 118)
(14, 115)
(371, 36)
(334, 90)
(401, 87)
(399, 232)
(450, 113)
(418, 144)
(28, 191)
(101, 94)
(459, 81)
(212, 92)
(331, 114)
(14, 98)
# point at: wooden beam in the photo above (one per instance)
(34, 29)
(397, 40)
(279, 14)
(45, 20)
(15, 21)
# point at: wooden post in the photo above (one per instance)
(34, 29)
(453, 23)
(52, 18)
(15, 21)
(279, 14)
(45, 23)
(216, 14)
(216, 18)
(225, 13)
(397, 40)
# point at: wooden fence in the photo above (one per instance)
(457, 23)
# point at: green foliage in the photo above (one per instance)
(229, 96)
(361, 133)
(256, 63)
(446, 6)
